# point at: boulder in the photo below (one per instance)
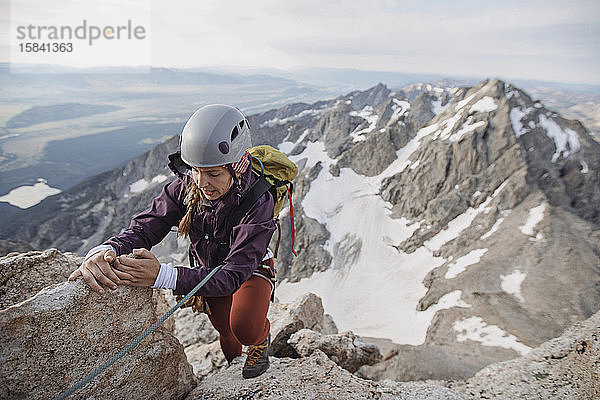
(54, 339)
(314, 377)
(304, 312)
(345, 349)
(41, 268)
(205, 358)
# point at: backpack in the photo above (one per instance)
(275, 173)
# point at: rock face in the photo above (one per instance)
(55, 338)
(205, 358)
(314, 377)
(567, 367)
(345, 349)
(201, 340)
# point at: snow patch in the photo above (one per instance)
(466, 128)
(29, 195)
(287, 146)
(384, 294)
(402, 161)
(464, 102)
(367, 114)
(494, 227)
(282, 121)
(474, 328)
(486, 104)
(400, 107)
(536, 214)
(463, 262)
(516, 117)
(511, 283)
(139, 186)
(313, 153)
(449, 125)
(562, 138)
(142, 184)
(584, 167)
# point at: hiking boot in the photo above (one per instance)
(257, 360)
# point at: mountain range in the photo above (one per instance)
(461, 223)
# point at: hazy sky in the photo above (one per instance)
(546, 40)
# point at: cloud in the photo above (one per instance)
(547, 38)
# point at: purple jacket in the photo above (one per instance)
(241, 253)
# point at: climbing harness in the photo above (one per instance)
(137, 341)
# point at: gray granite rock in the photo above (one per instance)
(345, 349)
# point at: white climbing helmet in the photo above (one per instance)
(215, 135)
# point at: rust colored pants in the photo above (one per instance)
(241, 319)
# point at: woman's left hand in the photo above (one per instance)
(139, 271)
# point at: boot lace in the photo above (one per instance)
(255, 352)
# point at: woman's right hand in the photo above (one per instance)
(98, 269)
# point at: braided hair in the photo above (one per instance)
(193, 201)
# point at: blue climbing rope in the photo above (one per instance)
(137, 341)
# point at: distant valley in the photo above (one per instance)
(58, 129)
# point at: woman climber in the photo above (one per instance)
(213, 170)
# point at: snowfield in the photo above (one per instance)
(377, 291)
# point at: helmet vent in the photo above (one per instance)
(234, 133)
(242, 122)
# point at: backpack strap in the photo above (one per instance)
(292, 225)
(256, 191)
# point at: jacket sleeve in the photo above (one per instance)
(249, 241)
(150, 226)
